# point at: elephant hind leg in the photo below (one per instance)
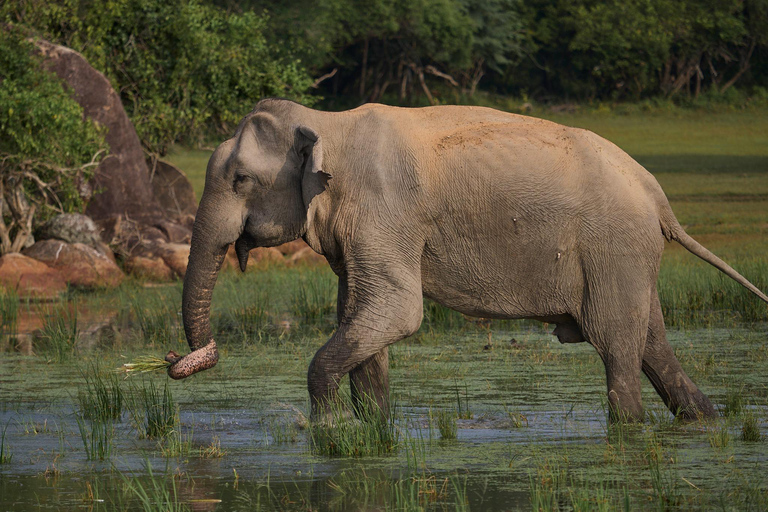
(614, 320)
(369, 384)
(667, 376)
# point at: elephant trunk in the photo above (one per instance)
(205, 260)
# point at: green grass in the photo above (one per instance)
(154, 493)
(58, 337)
(9, 311)
(446, 424)
(97, 436)
(153, 409)
(101, 398)
(370, 433)
(5, 454)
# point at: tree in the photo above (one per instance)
(47, 149)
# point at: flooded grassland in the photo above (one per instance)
(488, 415)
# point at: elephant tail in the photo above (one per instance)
(674, 231)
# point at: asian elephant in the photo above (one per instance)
(488, 213)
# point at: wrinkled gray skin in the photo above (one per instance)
(491, 214)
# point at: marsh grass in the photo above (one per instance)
(692, 296)
(5, 454)
(462, 401)
(213, 450)
(97, 436)
(283, 432)
(154, 493)
(59, 334)
(719, 437)
(446, 424)
(157, 317)
(314, 298)
(242, 312)
(734, 402)
(9, 310)
(177, 443)
(102, 396)
(750, 427)
(371, 433)
(145, 364)
(152, 409)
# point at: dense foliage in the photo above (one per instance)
(184, 69)
(46, 148)
(189, 69)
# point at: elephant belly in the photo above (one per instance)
(498, 279)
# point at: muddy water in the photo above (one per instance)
(528, 406)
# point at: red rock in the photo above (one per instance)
(30, 278)
(291, 248)
(80, 265)
(307, 256)
(150, 269)
(176, 256)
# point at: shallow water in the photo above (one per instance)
(537, 410)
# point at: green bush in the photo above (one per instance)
(46, 147)
(184, 69)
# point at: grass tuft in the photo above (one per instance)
(153, 410)
(58, 337)
(102, 396)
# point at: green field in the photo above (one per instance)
(488, 415)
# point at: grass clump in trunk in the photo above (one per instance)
(371, 433)
(145, 364)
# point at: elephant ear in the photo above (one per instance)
(314, 178)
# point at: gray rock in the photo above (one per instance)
(73, 228)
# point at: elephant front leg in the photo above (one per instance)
(359, 346)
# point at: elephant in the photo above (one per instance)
(489, 213)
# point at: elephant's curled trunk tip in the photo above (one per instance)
(196, 361)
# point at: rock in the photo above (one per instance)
(307, 256)
(79, 264)
(121, 181)
(291, 248)
(150, 269)
(176, 256)
(175, 233)
(257, 256)
(98, 335)
(30, 278)
(149, 208)
(172, 190)
(71, 228)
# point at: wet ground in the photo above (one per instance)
(532, 427)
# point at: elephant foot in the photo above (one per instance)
(698, 408)
(196, 361)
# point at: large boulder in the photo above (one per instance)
(80, 265)
(73, 228)
(123, 189)
(173, 192)
(150, 269)
(30, 278)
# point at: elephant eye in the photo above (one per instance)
(239, 178)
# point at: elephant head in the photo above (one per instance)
(258, 188)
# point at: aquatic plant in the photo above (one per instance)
(153, 410)
(718, 436)
(213, 450)
(153, 492)
(5, 454)
(59, 334)
(371, 433)
(176, 443)
(102, 396)
(97, 436)
(9, 310)
(446, 424)
(750, 428)
(314, 297)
